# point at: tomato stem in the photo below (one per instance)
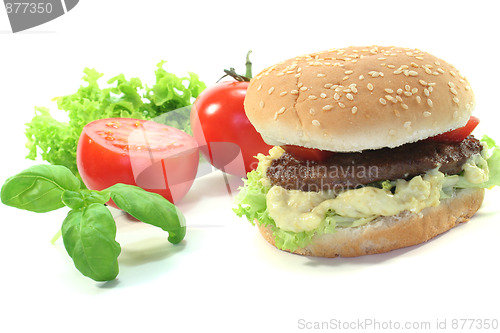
(248, 65)
(242, 78)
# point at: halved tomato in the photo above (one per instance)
(153, 156)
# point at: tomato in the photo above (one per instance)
(156, 157)
(310, 154)
(225, 135)
(459, 134)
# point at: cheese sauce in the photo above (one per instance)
(297, 211)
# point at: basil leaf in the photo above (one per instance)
(89, 238)
(39, 188)
(150, 208)
(72, 199)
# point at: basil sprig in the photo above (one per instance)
(89, 230)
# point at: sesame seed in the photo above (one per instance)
(408, 93)
(283, 93)
(418, 99)
(419, 58)
(388, 97)
(370, 86)
(354, 90)
(300, 84)
(354, 109)
(404, 106)
(407, 124)
(259, 87)
(312, 97)
(422, 82)
(382, 101)
(427, 70)
(456, 100)
(303, 88)
(275, 116)
(361, 77)
(399, 99)
(414, 90)
(320, 75)
(437, 63)
(397, 71)
(413, 73)
(407, 88)
(453, 73)
(348, 72)
(298, 74)
(391, 66)
(280, 74)
(316, 123)
(396, 112)
(440, 70)
(281, 110)
(399, 91)
(270, 91)
(294, 92)
(336, 96)
(348, 90)
(322, 95)
(429, 102)
(427, 114)
(328, 85)
(426, 92)
(451, 84)
(453, 91)
(349, 96)
(312, 111)
(342, 105)
(345, 78)
(389, 91)
(467, 88)
(261, 104)
(327, 107)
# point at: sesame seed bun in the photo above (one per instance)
(358, 98)
(392, 232)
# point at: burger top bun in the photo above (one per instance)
(358, 98)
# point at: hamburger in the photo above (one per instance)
(373, 151)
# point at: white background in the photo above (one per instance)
(224, 277)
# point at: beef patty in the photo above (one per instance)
(350, 170)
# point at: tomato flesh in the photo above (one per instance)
(156, 157)
(309, 154)
(225, 135)
(459, 134)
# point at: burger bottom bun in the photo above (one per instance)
(388, 233)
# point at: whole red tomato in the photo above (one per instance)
(225, 135)
(156, 157)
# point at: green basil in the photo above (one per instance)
(89, 230)
(89, 238)
(150, 208)
(39, 188)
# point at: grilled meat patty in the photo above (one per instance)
(351, 170)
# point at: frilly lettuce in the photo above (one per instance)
(56, 141)
(251, 202)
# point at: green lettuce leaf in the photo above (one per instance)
(493, 166)
(251, 203)
(56, 141)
